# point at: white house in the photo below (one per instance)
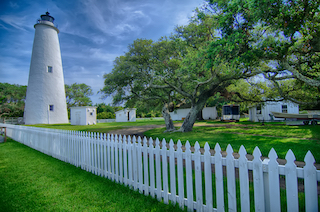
(263, 113)
(126, 115)
(85, 115)
(207, 113)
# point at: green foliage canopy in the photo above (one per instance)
(12, 100)
(78, 95)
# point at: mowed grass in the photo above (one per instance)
(102, 127)
(279, 136)
(275, 135)
(32, 181)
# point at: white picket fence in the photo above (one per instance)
(165, 173)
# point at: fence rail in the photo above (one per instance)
(168, 173)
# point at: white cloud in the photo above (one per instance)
(17, 22)
(116, 18)
(99, 54)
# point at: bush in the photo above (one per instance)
(106, 115)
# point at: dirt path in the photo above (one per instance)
(139, 130)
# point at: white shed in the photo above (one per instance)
(207, 113)
(85, 115)
(263, 113)
(126, 115)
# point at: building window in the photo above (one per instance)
(49, 69)
(91, 114)
(284, 109)
(51, 107)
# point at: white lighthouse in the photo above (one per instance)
(46, 98)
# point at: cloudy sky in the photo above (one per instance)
(92, 34)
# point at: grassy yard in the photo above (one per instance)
(32, 181)
(101, 127)
(281, 137)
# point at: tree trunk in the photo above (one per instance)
(167, 118)
(191, 118)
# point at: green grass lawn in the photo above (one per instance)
(101, 127)
(275, 135)
(281, 137)
(32, 181)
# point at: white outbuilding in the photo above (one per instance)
(207, 113)
(263, 112)
(126, 115)
(85, 115)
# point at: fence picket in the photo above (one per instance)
(258, 181)
(219, 178)
(244, 180)
(116, 158)
(99, 153)
(109, 155)
(95, 157)
(134, 163)
(172, 172)
(208, 177)
(158, 169)
(112, 157)
(140, 165)
(130, 161)
(120, 144)
(198, 176)
(105, 174)
(231, 180)
(274, 189)
(310, 183)
(291, 182)
(180, 175)
(145, 166)
(151, 168)
(165, 171)
(125, 161)
(189, 181)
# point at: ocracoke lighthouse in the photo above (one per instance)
(46, 98)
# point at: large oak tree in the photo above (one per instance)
(226, 43)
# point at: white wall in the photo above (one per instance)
(45, 88)
(126, 115)
(85, 115)
(207, 113)
(256, 116)
(179, 114)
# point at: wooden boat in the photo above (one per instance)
(304, 117)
